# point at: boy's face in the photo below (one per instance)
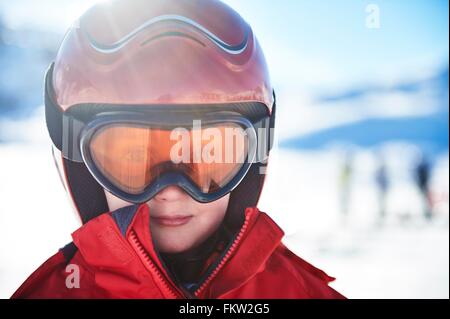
(178, 222)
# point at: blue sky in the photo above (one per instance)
(331, 37)
(317, 48)
(315, 44)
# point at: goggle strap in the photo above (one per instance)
(71, 135)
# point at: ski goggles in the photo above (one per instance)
(134, 154)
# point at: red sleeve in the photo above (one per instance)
(49, 280)
(315, 280)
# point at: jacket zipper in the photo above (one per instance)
(144, 256)
(225, 258)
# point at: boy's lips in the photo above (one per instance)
(172, 221)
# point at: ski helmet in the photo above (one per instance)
(176, 57)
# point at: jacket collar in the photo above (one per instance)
(104, 243)
(258, 242)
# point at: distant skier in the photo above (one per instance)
(422, 175)
(382, 181)
(345, 180)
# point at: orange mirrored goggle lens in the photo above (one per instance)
(133, 157)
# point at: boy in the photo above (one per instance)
(162, 116)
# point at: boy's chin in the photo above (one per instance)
(173, 246)
(173, 249)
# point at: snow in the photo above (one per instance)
(406, 257)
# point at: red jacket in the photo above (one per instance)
(116, 259)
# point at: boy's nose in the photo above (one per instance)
(171, 193)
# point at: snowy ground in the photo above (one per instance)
(406, 258)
